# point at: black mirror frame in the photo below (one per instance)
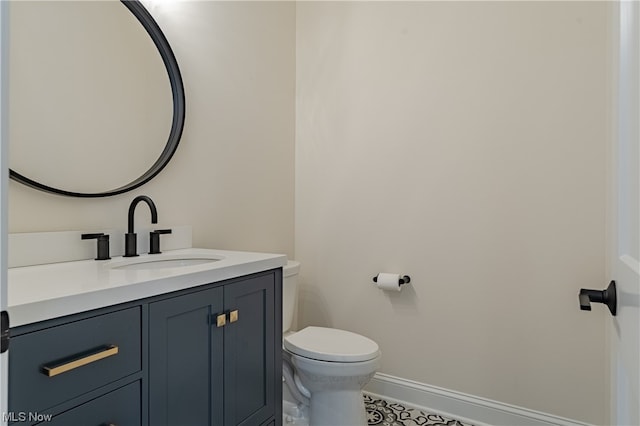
(177, 124)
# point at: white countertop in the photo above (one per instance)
(42, 292)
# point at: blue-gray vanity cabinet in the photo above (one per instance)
(215, 355)
(205, 356)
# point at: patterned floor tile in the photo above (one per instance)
(386, 413)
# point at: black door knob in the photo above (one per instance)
(606, 296)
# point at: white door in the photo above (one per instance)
(625, 224)
(4, 174)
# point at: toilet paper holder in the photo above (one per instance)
(404, 280)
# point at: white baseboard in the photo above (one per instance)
(466, 408)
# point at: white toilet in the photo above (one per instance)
(324, 369)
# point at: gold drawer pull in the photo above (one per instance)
(233, 316)
(84, 359)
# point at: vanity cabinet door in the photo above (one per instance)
(249, 352)
(213, 357)
(185, 363)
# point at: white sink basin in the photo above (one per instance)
(162, 261)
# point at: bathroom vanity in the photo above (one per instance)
(188, 337)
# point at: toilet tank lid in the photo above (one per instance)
(291, 268)
(331, 344)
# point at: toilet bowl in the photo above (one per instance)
(324, 368)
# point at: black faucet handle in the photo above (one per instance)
(92, 236)
(162, 231)
(154, 240)
(103, 244)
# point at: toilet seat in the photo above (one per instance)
(331, 345)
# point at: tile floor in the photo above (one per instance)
(386, 413)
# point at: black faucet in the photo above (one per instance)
(130, 238)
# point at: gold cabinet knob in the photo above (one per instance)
(221, 320)
(233, 316)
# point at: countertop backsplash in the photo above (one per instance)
(39, 248)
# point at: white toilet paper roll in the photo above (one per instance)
(390, 282)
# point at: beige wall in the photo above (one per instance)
(463, 144)
(460, 143)
(232, 177)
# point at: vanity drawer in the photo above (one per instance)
(122, 407)
(52, 365)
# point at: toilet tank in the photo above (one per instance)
(289, 293)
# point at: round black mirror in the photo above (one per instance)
(177, 120)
